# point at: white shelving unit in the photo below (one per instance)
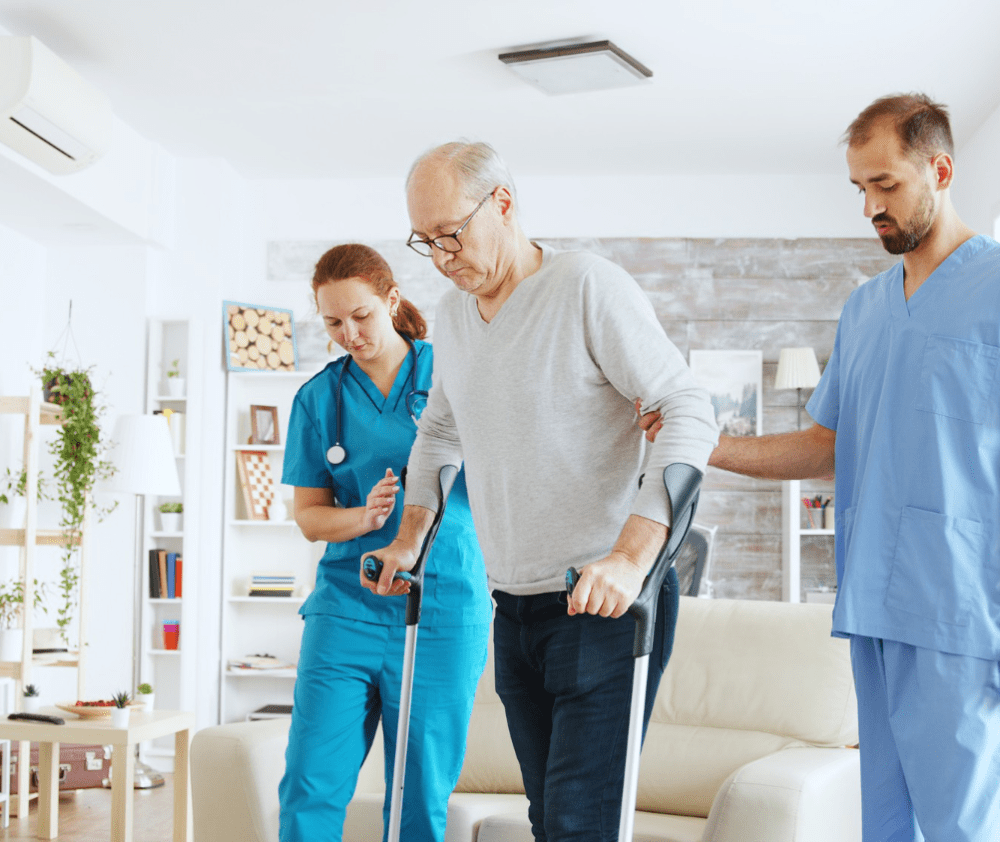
(253, 625)
(791, 539)
(172, 672)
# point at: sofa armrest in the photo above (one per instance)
(795, 795)
(235, 771)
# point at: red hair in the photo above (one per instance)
(355, 260)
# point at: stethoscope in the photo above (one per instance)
(416, 400)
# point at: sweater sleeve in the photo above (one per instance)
(632, 350)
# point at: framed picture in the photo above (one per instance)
(258, 338)
(256, 482)
(733, 380)
(264, 425)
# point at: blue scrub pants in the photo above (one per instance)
(929, 727)
(566, 686)
(349, 674)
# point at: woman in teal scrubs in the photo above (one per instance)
(349, 437)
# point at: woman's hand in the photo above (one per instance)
(380, 503)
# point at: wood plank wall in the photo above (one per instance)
(726, 294)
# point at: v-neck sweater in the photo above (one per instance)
(540, 404)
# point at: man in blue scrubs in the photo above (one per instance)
(909, 410)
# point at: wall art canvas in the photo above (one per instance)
(257, 337)
(733, 379)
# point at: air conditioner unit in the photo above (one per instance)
(48, 113)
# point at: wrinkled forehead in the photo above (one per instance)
(436, 198)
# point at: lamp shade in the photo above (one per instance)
(797, 369)
(143, 457)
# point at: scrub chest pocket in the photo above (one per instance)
(958, 379)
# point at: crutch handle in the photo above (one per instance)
(373, 569)
(682, 483)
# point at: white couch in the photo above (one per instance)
(746, 744)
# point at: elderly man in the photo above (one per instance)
(539, 358)
(908, 409)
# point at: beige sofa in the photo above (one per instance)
(746, 744)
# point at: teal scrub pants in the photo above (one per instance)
(929, 726)
(349, 675)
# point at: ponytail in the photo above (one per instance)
(408, 320)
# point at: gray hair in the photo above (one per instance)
(477, 164)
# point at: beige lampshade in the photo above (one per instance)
(797, 369)
(143, 456)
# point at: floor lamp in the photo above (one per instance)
(797, 369)
(143, 458)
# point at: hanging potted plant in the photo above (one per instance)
(11, 600)
(77, 450)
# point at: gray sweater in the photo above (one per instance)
(539, 403)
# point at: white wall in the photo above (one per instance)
(976, 193)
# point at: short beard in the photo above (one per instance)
(910, 233)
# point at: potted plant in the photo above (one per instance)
(31, 698)
(170, 516)
(119, 713)
(144, 695)
(175, 383)
(77, 450)
(11, 635)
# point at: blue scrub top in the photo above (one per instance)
(913, 390)
(377, 433)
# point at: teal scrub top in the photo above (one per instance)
(913, 391)
(377, 433)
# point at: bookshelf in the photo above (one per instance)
(172, 672)
(792, 532)
(259, 625)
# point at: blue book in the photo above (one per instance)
(171, 574)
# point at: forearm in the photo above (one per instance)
(803, 454)
(331, 524)
(413, 527)
(640, 541)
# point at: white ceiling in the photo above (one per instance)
(311, 88)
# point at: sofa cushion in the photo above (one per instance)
(713, 714)
(649, 827)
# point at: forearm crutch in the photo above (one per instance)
(373, 568)
(682, 483)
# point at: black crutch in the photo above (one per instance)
(373, 569)
(682, 483)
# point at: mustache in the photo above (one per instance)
(882, 217)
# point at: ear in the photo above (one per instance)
(506, 202)
(392, 299)
(944, 170)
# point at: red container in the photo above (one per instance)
(171, 635)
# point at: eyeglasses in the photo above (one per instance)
(446, 242)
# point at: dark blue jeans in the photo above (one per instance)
(566, 686)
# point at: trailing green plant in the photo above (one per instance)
(77, 450)
(121, 699)
(31, 690)
(145, 689)
(16, 484)
(175, 369)
(171, 508)
(12, 598)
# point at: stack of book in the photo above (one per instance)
(166, 573)
(272, 584)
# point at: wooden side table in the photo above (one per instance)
(143, 725)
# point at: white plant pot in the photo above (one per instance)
(175, 387)
(145, 699)
(171, 521)
(119, 717)
(30, 704)
(11, 644)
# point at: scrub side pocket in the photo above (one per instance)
(958, 379)
(937, 566)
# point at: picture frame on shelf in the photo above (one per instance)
(258, 337)
(734, 381)
(264, 425)
(256, 482)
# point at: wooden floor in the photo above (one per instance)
(85, 816)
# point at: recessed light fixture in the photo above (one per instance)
(573, 68)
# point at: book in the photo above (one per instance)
(179, 577)
(162, 561)
(154, 574)
(171, 575)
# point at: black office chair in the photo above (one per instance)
(694, 560)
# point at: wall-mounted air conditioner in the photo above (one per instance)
(48, 113)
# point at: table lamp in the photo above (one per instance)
(797, 369)
(143, 459)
